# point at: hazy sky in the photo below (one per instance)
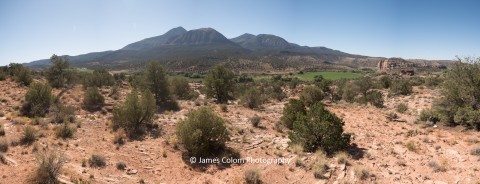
(428, 29)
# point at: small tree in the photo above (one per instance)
(20, 74)
(98, 79)
(375, 98)
(92, 99)
(58, 75)
(319, 129)
(37, 100)
(219, 83)
(292, 111)
(135, 114)
(157, 82)
(385, 82)
(402, 87)
(181, 89)
(311, 95)
(203, 133)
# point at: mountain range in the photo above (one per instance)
(199, 49)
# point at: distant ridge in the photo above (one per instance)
(199, 49)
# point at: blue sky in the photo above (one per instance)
(428, 29)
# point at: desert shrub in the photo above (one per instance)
(475, 151)
(65, 131)
(3, 145)
(346, 90)
(92, 99)
(180, 88)
(97, 160)
(311, 95)
(361, 173)
(48, 168)
(411, 146)
(385, 82)
(203, 133)
(119, 137)
(252, 177)
(121, 165)
(433, 81)
(3, 76)
(429, 115)
(29, 135)
(244, 78)
(98, 78)
(61, 113)
(255, 120)
(2, 130)
(251, 98)
(37, 100)
(402, 108)
(320, 166)
(275, 92)
(292, 111)
(460, 102)
(322, 83)
(59, 75)
(157, 82)
(219, 84)
(401, 87)
(135, 114)
(20, 74)
(437, 167)
(363, 85)
(375, 98)
(342, 157)
(319, 128)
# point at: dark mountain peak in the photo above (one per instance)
(242, 38)
(176, 31)
(156, 41)
(262, 41)
(199, 37)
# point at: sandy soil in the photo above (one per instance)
(381, 146)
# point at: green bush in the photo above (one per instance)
(375, 98)
(311, 95)
(37, 100)
(97, 160)
(292, 111)
(65, 131)
(61, 113)
(401, 87)
(219, 84)
(29, 135)
(48, 169)
(21, 74)
(460, 104)
(251, 98)
(275, 91)
(59, 75)
(402, 108)
(135, 114)
(98, 78)
(203, 133)
(180, 88)
(92, 99)
(319, 129)
(385, 82)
